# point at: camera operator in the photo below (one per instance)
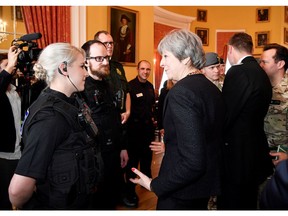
(29, 86)
(9, 125)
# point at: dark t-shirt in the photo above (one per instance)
(142, 100)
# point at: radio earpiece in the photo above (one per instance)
(65, 66)
(60, 72)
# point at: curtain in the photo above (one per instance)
(53, 22)
(158, 71)
(160, 31)
(224, 53)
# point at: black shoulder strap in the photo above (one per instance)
(85, 117)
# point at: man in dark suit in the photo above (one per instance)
(247, 93)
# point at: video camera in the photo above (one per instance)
(30, 51)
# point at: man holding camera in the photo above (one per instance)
(10, 125)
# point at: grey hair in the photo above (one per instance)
(182, 44)
(52, 56)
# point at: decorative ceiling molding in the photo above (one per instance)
(165, 17)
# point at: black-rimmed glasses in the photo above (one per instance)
(100, 58)
(111, 43)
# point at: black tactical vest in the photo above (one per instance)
(76, 166)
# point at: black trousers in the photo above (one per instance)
(7, 168)
(238, 197)
(108, 194)
(170, 203)
(140, 136)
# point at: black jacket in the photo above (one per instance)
(193, 122)
(7, 125)
(247, 94)
(100, 99)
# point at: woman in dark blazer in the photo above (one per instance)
(193, 120)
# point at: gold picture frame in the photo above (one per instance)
(201, 15)
(263, 14)
(262, 38)
(203, 33)
(286, 36)
(286, 14)
(125, 41)
(257, 57)
(19, 15)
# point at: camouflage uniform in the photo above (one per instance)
(276, 124)
(212, 203)
(219, 83)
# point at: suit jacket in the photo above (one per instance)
(193, 121)
(7, 125)
(275, 193)
(247, 93)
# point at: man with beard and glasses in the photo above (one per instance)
(120, 88)
(100, 99)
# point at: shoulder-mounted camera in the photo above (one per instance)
(30, 51)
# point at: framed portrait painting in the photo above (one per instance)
(261, 38)
(203, 33)
(263, 14)
(286, 14)
(285, 35)
(18, 13)
(124, 30)
(222, 38)
(257, 57)
(201, 15)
